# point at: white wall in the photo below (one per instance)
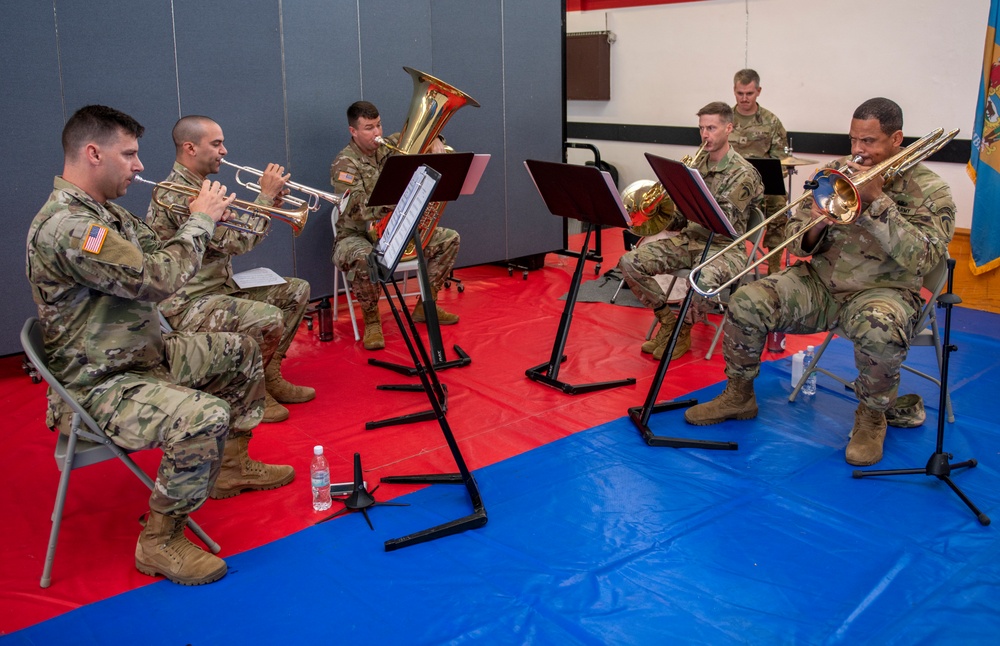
(817, 60)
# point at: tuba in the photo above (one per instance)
(643, 199)
(432, 104)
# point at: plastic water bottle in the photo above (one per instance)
(798, 360)
(319, 471)
(809, 388)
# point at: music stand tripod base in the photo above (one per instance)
(540, 373)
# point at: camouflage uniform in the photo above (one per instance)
(211, 300)
(736, 186)
(180, 392)
(866, 275)
(353, 170)
(762, 135)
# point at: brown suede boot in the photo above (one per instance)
(667, 321)
(241, 473)
(273, 411)
(737, 401)
(373, 339)
(281, 390)
(867, 436)
(680, 348)
(163, 549)
(444, 318)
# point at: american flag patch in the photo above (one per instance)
(345, 177)
(94, 239)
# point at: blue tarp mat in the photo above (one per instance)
(601, 539)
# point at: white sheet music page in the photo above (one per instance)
(618, 198)
(259, 277)
(394, 240)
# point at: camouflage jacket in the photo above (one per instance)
(736, 186)
(216, 274)
(758, 135)
(96, 274)
(354, 170)
(901, 236)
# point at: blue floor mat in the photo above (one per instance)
(601, 539)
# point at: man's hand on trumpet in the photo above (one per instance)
(213, 201)
(272, 184)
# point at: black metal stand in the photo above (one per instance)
(433, 335)
(360, 499)
(939, 465)
(585, 252)
(435, 393)
(548, 373)
(640, 414)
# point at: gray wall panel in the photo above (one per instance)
(532, 52)
(230, 70)
(322, 77)
(278, 76)
(133, 72)
(33, 118)
(464, 27)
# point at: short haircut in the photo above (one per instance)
(99, 124)
(746, 76)
(721, 108)
(888, 114)
(189, 128)
(360, 109)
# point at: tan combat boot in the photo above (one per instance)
(444, 318)
(667, 321)
(281, 390)
(737, 401)
(680, 348)
(163, 549)
(273, 411)
(867, 436)
(241, 473)
(373, 339)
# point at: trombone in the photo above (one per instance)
(256, 218)
(313, 195)
(837, 192)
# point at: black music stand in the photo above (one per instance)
(695, 201)
(939, 464)
(769, 169)
(392, 181)
(382, 263)
(586, 194)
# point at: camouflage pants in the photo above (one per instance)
(640, 266)
(878, 321)
(207, 385)
(270, 315)
(350, 255)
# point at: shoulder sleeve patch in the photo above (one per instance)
(93, 240)
(344, 172)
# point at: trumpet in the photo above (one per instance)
(256, 218)
(312, 195)
(642, 198)
(837, 192)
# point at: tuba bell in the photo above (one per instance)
(432, 104)
(648, 204)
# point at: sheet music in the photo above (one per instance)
(618, 198)
(476, 169)
(404, 217)
(259, 277)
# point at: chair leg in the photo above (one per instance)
(350, 302)
(57, 511)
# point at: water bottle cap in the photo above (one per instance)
(810, 348)
(318, 450)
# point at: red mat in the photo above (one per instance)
(507, 325)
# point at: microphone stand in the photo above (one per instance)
(939, 465)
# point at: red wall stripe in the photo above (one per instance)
(592, 5)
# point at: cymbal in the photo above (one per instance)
(795, 161)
